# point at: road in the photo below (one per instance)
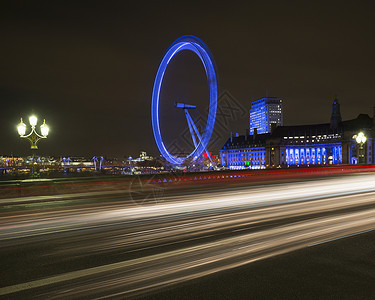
(119, 249)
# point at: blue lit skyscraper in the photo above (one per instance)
(265, 112)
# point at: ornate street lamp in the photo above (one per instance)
(33, 137)
(360, 138)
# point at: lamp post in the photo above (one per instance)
(360, 138)
(33, 137)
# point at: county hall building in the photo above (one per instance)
(269, 144)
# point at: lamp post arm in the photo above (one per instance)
(33, 131)
(33, 137)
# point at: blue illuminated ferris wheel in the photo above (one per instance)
(200, 140)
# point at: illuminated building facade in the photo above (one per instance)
(245, 151)
(264, 113)
(320, 144)
(307, 145)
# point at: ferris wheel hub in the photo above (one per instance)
(184, 106)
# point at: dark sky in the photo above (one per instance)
(88, 69)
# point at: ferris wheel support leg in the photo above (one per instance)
(190, 127)
(199, 136)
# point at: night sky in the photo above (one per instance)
(88, 69)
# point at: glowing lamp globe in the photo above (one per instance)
(44, 129)
(21, 128)
(33, 120)
(361, 138)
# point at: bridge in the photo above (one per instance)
(129, 237)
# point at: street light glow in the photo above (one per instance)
(361, 139)
(21, 128)
(44, 129)
(33, 120)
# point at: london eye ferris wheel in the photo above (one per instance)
(199, 139)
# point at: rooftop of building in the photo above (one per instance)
(363, 121)
(267, 99)
(247, 141)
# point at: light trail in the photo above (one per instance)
(213, 202)
(185, 237)
(156, 270)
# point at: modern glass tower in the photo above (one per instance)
(265, 112)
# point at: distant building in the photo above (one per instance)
(143, 157)
(6, 161)
(265, 113)
(319, 144)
